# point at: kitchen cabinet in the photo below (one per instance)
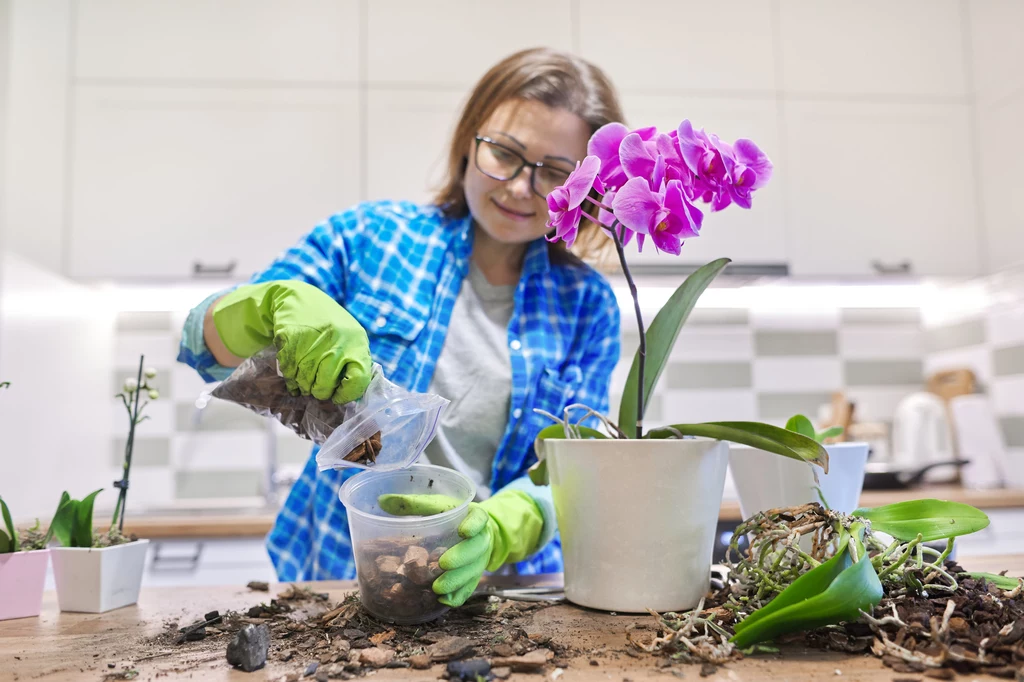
(911, 48)
(165, 180)
(310, 42)
(450, 43)
(874, 188)
(676, 46)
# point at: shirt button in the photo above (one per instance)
(515, 345)
(380, 321)
(517, 413)
(570, 394)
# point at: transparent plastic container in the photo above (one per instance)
(396, 556)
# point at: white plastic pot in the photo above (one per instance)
(767, 481)
(94, 580)
(637, 519)
(22, 575)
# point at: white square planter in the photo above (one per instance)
(767, 481)
(94, 580)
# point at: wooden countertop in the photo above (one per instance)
(69, 646)
(214, 525)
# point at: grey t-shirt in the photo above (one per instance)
(474, 372)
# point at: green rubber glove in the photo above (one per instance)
(321, 350)
(502, 529)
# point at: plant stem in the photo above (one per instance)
(902, 559)
(122, 498)
(642, 352)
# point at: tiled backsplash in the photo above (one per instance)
(728, 363)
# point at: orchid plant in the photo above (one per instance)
(641, 185)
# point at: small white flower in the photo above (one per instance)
(130, 385)
(150, 372)
(153, 394)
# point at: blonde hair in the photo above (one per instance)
(557, 80)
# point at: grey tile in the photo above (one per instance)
(883, 372)
(216, 416)
(1013, 431)
(780, 343)
(146, 452)
(216, 484)
(854, 316)
(1008, 361)
(959, 335)
(782, 406)
(718, 316)
(709, 375)
(293, 450)
(143, 322)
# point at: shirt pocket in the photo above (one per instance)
(380, 315)
(555, 389)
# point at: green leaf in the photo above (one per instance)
(802, 425)
(855, 589)
(62, 524)
(1003, 582)
(811, 583)
(661, 336)
(832, 432)
(762, 436)
(11, 544)
(82, 533)
(933, 519)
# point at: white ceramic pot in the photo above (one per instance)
(22, 576)
(766, 481)
(94, 580)
(637, 519)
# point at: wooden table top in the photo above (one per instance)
(213, 525)
(72, 647)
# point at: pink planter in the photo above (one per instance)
(22, 576)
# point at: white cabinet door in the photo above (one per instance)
(676, 45)
(453, 42)
(299, 41)
(165, 178)
(879, 183)
(748, 237)
(911, 47)
(407, 141)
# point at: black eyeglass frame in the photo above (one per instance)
(534, 165)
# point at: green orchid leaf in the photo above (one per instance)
(810, 584)
(933, 519)
(802, 425)
(8, 544)
(538, 473)
(855, 589)
(82, 533)
(832, 432)
(661, 336)
(1003, 582)
(63, 522)
(762, 436)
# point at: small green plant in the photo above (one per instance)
(72, 524)
(802, 425)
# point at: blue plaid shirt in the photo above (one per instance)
(397, 268)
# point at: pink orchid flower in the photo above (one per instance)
(667, 217)
(565, 202)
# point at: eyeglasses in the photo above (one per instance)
(497, 161)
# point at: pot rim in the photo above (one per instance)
(22, 552)
(140, 541)
(840, 446)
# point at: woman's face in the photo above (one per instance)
(510, 211)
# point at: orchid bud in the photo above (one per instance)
(130, 385)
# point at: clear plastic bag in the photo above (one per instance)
(386, 429)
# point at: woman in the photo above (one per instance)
(464, 298)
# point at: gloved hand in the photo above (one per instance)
(321, 350)
(502, 529)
